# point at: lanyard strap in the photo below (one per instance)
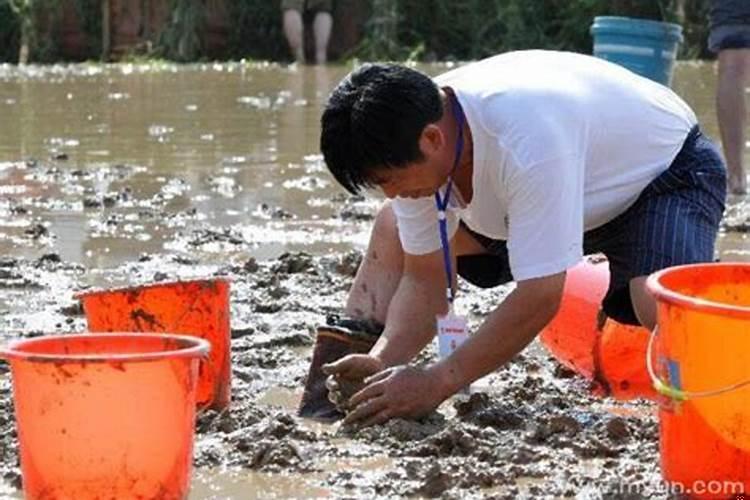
(442, 203)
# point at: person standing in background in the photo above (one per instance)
(730, 39)
(293, 21)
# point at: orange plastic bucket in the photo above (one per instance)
(609, 353)
(701, 364)
(197, 307)
(105, 415)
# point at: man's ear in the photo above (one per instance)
(432, 140)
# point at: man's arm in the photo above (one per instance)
(420, 296)
(405, 391)
(505, 333)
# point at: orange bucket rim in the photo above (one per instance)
(149, 286)
(195, 347)
(655, 286)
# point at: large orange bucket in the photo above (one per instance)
(197, 307)
(610, 354)
(701, 364)
(105, 415)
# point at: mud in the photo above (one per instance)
(183, 202)
(528, 429)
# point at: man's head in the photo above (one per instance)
(380, 128)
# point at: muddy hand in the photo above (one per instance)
(340, 389)
(401, 391)
(346, 376)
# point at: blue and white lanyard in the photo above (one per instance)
(442, 203)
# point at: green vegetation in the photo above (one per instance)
(256, 31)
(395, 29)
(472, 29)
(9, 33)
(180, 40)
(90, 15)
(21, 23)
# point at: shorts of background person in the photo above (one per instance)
(729, 21)
(733, 36)
(307, 5)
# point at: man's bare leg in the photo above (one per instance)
(383, 264)
(380, 272)
(644, 303)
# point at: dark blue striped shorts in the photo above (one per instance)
(674, 221)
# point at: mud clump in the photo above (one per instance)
(482, 411)
(293, 263)
(558, 426)
(435, 483)
(250, 266)
(397, 432)
(349, 263)
(265, 210)
(36, 231)
(617, 430)
(208, 236)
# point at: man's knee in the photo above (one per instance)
(385, 243)
(385, 221)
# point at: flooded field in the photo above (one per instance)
(114, 175)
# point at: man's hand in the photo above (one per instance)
(400, 391)
(346, 377)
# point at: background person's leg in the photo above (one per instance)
(734, 76)
(294, 32)
(322, 30)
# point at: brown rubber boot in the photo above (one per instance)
(334, 340)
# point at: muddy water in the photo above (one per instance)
(232, 145)
(98, 152)
(132, 174)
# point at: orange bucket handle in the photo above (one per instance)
(6, 354)
(205, 365)
(666, 389)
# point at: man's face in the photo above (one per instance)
(420, 178)
(416, 180)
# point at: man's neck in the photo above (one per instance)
(462, 177)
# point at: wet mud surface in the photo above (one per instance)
(532, 429)
(529, 429)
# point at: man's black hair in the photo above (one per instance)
(374, 119)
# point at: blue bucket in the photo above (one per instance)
(646, 47)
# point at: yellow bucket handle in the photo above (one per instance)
(666, 389)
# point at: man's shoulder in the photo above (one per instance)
(494, 63)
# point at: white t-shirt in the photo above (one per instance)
(563, 143)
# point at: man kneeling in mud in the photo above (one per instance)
(525, 162)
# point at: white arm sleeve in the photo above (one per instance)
(418, 224)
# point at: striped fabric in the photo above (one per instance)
(674, 221)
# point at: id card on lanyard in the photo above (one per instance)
(452, 329)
